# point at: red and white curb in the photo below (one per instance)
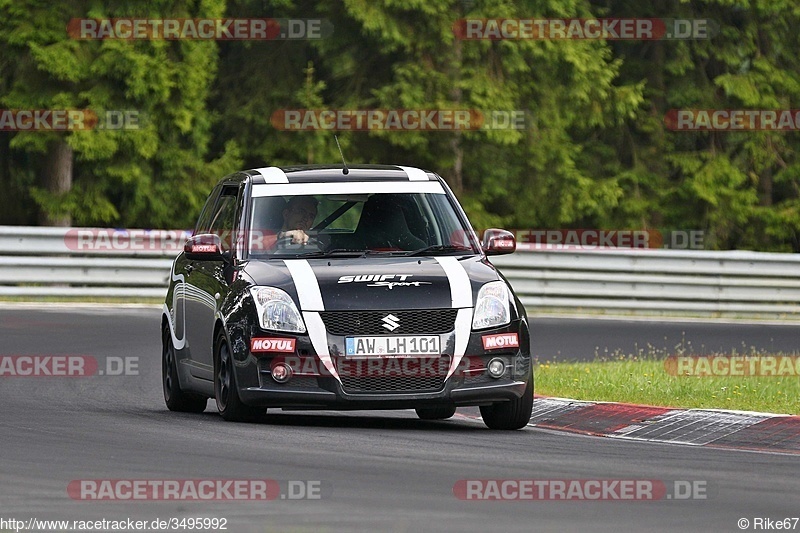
(694, 427)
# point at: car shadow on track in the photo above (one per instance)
(366, 421)
(352, 420)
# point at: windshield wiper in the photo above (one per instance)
(336, 252)
(441, 248)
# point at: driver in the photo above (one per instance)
(298, 217)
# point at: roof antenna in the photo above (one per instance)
(345, 170)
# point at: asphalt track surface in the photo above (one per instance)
(383, 470)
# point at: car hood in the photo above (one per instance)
(376, 283)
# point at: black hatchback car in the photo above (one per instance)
(327, 287)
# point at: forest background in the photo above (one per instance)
(596, 150)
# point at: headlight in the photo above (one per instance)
(492, 308)
(276, 310)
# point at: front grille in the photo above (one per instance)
(391, 384)
(373, 382)
(418, 322)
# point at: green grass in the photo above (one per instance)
(645, 380)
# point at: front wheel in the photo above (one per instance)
(229, 404)
(510, 415)
(174, 397)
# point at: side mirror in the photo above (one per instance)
(498, 242)
(204, 247)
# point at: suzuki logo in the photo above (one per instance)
(390, 322)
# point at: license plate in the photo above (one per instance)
(399, 345)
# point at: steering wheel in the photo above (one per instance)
(286, 243)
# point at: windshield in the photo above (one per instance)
(330, 224)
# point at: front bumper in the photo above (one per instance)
(321, 399)
(312, 386)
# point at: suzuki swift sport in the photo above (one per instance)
(328, 287)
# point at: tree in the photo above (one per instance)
(143, 176)
(741, 188)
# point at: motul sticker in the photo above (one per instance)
(204, 248)
(272, 345)
(500, 340)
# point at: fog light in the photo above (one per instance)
(281, 373)
(496, 368)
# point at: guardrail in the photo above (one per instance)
(87, 262)
(135, 263)
(656, 281)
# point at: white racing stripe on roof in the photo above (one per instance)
(306, 284)
(415, 174)
(460, 286)
(273, 175)
(348, 187)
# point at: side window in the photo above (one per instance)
(223, 220)
(204, 221)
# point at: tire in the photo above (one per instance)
(226, 392)
(436, 413)
(174, 397)
(514, 414)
